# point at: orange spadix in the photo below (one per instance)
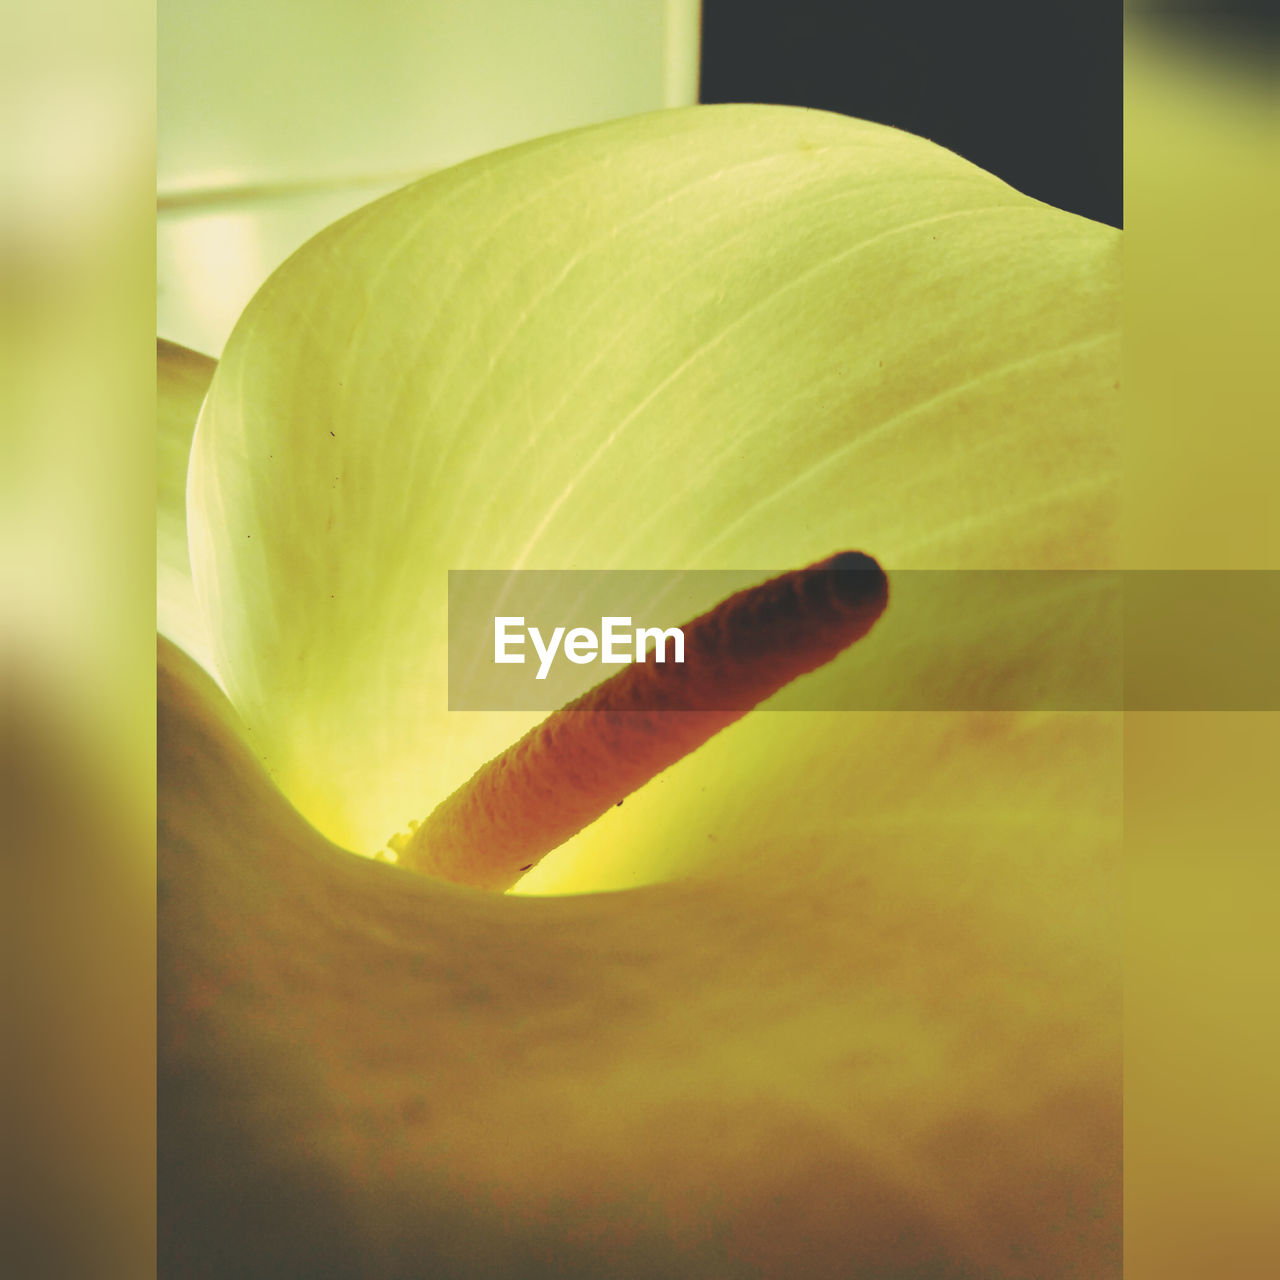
(598, 749)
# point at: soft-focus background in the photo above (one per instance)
(276, 117)
(76, 665)
(1031, 92)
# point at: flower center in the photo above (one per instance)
(595, 751)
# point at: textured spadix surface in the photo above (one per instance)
(732, 337)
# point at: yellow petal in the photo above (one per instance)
(736, 337)
(182, 379)
(853, 1072)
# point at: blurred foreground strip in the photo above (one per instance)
(76, 618)
(1202, 808)
(78, 1071)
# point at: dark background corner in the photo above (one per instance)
(1031, 90)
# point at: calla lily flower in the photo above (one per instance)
(852, 1007)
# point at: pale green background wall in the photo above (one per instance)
(278, 116)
